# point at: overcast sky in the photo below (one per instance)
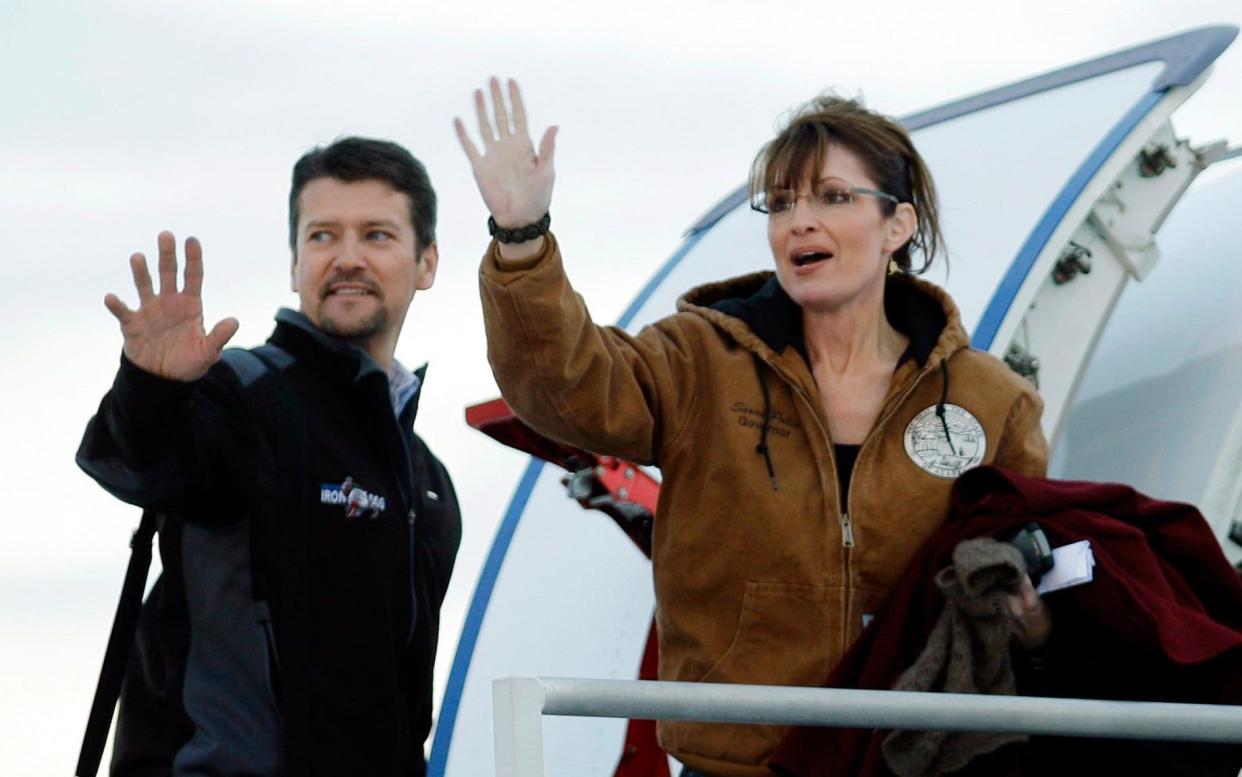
(119, 119)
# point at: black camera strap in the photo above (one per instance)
(120, 641)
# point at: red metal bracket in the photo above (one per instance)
(620, 489)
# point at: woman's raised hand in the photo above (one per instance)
(165, 335)
(516, 183)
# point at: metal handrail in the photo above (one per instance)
(520, 702)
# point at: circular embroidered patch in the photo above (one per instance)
(946, 458)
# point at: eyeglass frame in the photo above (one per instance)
(755, 205)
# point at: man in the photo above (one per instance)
(308, 534)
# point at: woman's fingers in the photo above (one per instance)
(1030, 597)
(547, 145)
(1016, 609)
(485, 125)
(1024, 601)
(467, 145)
(1029, 616)
(519, 110)
(499, 110)
(499, 125)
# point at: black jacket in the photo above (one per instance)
(357, 622)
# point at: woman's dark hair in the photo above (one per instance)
(364, 159)
(800, 150)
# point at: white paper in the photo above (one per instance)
(1073, 565)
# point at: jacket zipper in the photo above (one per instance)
(847, 528)
(846, 524)
(411, 518)
(407, 482)
(848, 536)
(273, 657)
(843, 518)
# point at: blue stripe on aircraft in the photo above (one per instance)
(628, 316)
(447, 719)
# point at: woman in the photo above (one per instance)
(809, 422)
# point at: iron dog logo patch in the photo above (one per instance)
(946, 457)
(356, 501)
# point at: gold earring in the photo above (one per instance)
(893, 269)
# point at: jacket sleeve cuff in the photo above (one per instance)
(137, 442)
(511, 271)
(146, 396)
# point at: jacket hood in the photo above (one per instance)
(759, 315)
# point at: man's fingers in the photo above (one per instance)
(519, 110)
(221, 333)
(142, 278)
(467, 145)
(193, 266)
(485, 124)
(547, 146)
(498, 109)
(118, 309)
(168, 263)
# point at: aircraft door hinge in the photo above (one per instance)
(1154, 160)
(1074, 260)
(1023, 362)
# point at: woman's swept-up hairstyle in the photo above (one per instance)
(801, 148)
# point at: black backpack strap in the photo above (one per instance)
(120, 642)
(250, 366)
(288, 566)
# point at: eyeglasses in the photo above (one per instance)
(826, 197)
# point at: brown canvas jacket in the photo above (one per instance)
(759, 578)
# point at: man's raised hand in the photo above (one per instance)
(165, 335)
(516, 183)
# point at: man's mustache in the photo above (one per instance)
(353, 279)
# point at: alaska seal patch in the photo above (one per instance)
(946, 458)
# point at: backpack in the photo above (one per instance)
(144, 662)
